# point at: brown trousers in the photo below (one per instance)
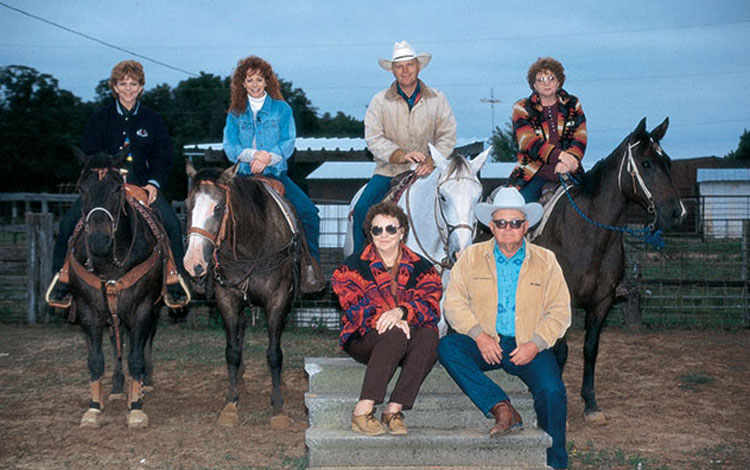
(383, 353)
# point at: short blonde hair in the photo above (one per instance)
(126, 68)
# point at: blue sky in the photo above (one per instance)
(625, 60)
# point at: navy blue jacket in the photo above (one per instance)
(151, 145)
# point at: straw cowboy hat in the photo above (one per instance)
(402, 51)
(509, 198)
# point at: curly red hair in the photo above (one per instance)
(238, 100)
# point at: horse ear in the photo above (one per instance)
(82, 157)
(658, 132)
(440, 161)
(119, 159)
(480, 160)
(190, 169)
(229, 174)
(640, 128)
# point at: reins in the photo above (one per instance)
(270, 262)
(646, 234)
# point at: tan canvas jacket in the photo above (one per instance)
(391, 130)
(542, 298)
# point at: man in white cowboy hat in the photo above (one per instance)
(400, 121)
(509, 304)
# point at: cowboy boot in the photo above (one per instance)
(507, 419)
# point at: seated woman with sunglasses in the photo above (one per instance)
(391, 302)
(550, 129)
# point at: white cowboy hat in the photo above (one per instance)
(509, 198)
(403, 51)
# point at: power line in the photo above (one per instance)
(91, 38)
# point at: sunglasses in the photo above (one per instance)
(515, 224)
(376, 230)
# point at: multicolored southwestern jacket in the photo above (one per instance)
(532, 133)
(363, 285)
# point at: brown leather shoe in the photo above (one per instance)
(394, 423)
(367, 424)
(507, 419)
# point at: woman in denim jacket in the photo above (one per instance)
(260, 133)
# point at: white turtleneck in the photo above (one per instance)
(256, 103)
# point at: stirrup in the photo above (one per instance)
(171, 303)
(65, 302)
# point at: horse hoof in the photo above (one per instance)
(148, 389)
(137, 419)
(91, 419)
(595, 417)
(280, 422)
(228, 416)
(116, 396)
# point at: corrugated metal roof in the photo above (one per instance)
(722, 174)
(343, 171)
(321, 143)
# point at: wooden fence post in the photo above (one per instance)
(746, 271)
(39, 238)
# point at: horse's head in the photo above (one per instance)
(458, 191)
(102, 192)
(644, 176)
(208, 213)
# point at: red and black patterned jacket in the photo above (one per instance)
(363, 286)
(532, 130)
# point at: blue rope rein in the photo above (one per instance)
(646, 234)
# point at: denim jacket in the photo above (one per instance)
(273, 130)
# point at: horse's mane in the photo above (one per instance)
(592, 180)
(457, 164)
(245, 189)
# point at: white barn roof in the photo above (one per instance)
(722, 174)
(322, 143)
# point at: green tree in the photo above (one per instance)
(504, 145)
(342, 125)
(743, 149)
(38, 124)
(305, 115)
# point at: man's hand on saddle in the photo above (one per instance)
(567, 163)
(490, 348)
(424, 166)
(152, 191)
(524, 353)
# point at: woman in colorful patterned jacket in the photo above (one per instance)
(550, 130)
(391, 302)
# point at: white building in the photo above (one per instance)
(725, 197)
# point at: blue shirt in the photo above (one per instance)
(508, 271)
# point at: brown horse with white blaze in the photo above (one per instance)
(238, 231)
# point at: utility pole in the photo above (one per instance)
(492, 101)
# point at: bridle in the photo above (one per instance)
(628, 163)
(114, 220)
(217, 238)
(443, 232)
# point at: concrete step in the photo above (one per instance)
(345, 375)
(469, 448)
(431, 410)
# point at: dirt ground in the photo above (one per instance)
(674, 400)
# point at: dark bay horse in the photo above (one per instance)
(593, 258)
(115, 268)
(237, 230)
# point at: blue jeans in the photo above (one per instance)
(374, 192)
(532, 191)
(460, 356)
(306, 211)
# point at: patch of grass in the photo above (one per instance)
(694, 380)
(590, 458)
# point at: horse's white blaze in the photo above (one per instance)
(197, 245)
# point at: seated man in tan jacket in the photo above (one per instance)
(400, 121)
(509, 304)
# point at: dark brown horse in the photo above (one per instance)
(115, 267)
(237, 230)
(593, 258)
